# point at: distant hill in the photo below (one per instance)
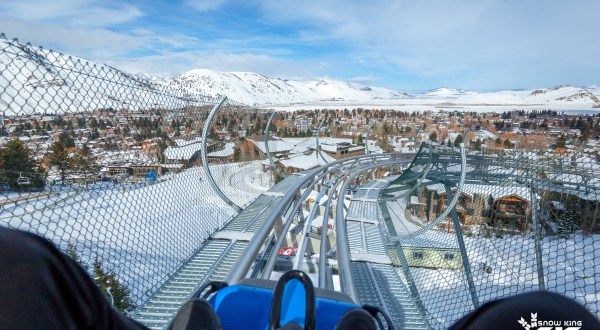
(255, 89)
(39, 80)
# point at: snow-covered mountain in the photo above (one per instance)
(38, 80)
(560, 95)
(255, 89)
(446, 93)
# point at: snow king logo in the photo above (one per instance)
(549, 325)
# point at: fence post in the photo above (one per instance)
(463, 251)
(537, 238)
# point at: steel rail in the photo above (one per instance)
(343, 248)
(301, 249)
(244, 263)
(271, 262)
(266, 274)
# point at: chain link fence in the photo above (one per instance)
(523, 221)
(106, 165)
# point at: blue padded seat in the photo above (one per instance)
(247, 305)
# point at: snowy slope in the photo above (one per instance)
(449, 93)
(564, 95)
(36, 80)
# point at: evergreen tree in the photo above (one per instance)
(237, 154)
(66, 140)
(433, 136)
(108, 282)
(15, 161)
(115, 291)
(458, 140)
(59, 158)
(569, 221)
(85, 163)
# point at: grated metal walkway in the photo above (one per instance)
(375, 278)
(212, 261)
(380, 285)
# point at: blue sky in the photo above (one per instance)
(409, 45)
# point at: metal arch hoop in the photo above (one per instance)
(211, 180)
(450, 207)
(417, 136)
(422, 178)
(319, 151)
(271, 163)
(367, 152)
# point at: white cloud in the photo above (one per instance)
(364, 79)
(83, 42)
(205, 5)
(179, 62)
(80, 13)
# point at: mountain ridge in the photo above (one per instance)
(30, 77)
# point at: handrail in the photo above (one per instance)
(203, 149)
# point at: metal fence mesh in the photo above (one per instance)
(508, 198)
(106, 165)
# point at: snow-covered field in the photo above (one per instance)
(571, 267)
(143, 232)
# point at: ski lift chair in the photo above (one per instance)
(291, 299)
(23, 180)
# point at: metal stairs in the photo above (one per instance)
(380, 285)
(376, 280)
(212, 262)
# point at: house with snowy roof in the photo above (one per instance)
(506, 208)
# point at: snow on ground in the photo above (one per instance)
(571, 267)
(241, 182)
(142, 231)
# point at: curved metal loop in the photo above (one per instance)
(417, 136)
(203, 149)
(451, 204)
(422, 178)
(271, 163)
(319, 150)
(367, 152)
(310, 313)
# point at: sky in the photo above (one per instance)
(409, 45)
